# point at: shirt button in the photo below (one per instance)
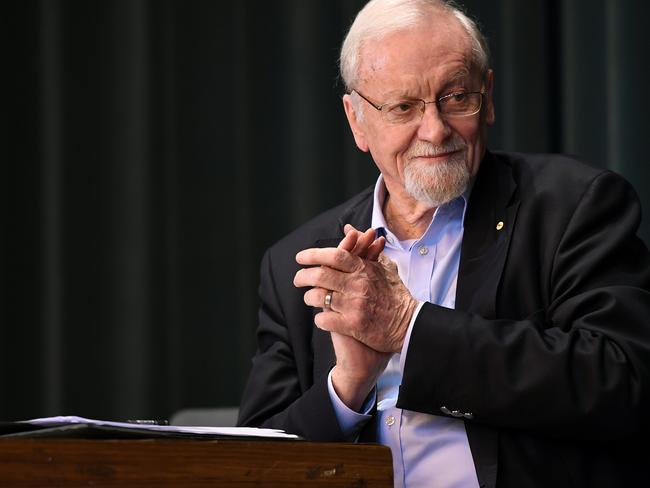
(423, 250)
(390, 420)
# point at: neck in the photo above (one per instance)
(406, 217)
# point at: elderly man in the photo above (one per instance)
(492, 325)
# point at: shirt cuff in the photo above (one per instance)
(350, 421)
(407, 337)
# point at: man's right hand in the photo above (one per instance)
(357, 366)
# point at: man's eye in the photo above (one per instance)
(402, 107)
(456, 98)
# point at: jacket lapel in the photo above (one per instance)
(490, 218)
(489, 221)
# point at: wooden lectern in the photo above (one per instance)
(50, 462)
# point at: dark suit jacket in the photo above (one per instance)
(548, 348)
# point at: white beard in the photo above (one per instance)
(436, 183)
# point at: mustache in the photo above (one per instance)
(426, 149)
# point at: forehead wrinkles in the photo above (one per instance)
(420, 53)
(424, 83)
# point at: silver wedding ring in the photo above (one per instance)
(328, 300)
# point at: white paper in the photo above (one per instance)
(225, 431)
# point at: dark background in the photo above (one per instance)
(155, 148)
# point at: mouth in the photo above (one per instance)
(437, 156)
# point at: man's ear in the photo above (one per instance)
(353, 119)
(489, 100)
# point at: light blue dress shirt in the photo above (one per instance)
(428, 450)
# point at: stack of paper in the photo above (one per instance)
(66, 424)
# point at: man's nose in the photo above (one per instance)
(433, 126)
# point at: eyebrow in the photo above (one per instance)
(461, 73)
(457, 76)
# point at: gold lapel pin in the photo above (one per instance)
(500, 225)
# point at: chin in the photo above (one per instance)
(439, 183)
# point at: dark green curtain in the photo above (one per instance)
(155, 148)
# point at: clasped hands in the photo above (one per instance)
(370, 311)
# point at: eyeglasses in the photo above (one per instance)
(459, 104)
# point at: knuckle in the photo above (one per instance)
(339, 256)
(359, 264)
(320, 274)
(364, 287)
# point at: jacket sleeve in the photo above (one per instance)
(579, 367)
(281, 392)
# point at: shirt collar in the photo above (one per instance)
(378, 221)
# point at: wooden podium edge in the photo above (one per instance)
(26, 462)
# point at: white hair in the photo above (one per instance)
(382, 17)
